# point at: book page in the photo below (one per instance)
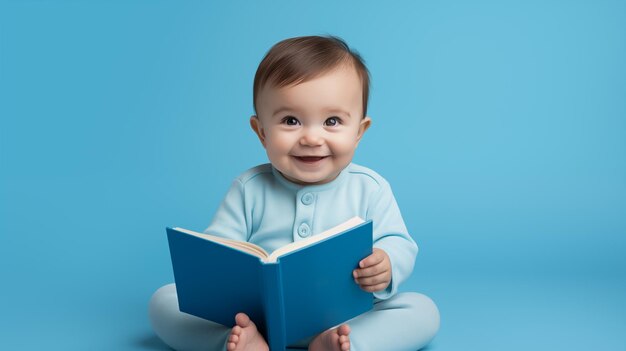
(235, 244)
(352, 222)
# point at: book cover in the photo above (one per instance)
(304, 292)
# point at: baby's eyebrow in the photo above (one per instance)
(282, 109)
(338, 111)
(330, 111)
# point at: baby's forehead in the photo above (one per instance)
(339, 90)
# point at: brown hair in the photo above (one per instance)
(297, 60)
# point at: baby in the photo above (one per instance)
(310, 98)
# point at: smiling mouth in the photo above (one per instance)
(310, 159)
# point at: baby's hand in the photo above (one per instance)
(374, 272)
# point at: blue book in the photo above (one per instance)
(295, 292)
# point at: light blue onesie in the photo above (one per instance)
(264, 208)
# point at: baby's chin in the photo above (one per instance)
(309, 179)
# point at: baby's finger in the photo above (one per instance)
(373, 259)
(377, 279)
(374, 288)
(369, 271)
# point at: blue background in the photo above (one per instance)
(501, 126)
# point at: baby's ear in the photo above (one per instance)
(366, 122)
(255, 123)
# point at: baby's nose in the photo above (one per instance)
(311, 137)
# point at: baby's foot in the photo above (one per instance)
(245, 336)
(337, 339)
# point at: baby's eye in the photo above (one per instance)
(332, 121)
(290, 121)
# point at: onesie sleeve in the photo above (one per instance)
(230, 219)
(391, 235)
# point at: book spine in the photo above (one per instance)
(274, 306)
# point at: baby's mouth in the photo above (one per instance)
(310, 159)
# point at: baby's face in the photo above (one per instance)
(311, 130)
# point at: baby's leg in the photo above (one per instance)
(407, 321)
(182, 331)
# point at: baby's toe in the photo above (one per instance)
(343, 329)
(242, 319)
(233, 338)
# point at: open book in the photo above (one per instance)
(258, 251)
(295, 292)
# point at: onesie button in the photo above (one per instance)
(304, 230)
(307, 199)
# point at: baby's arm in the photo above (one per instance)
(392, 238)
(374, 272)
